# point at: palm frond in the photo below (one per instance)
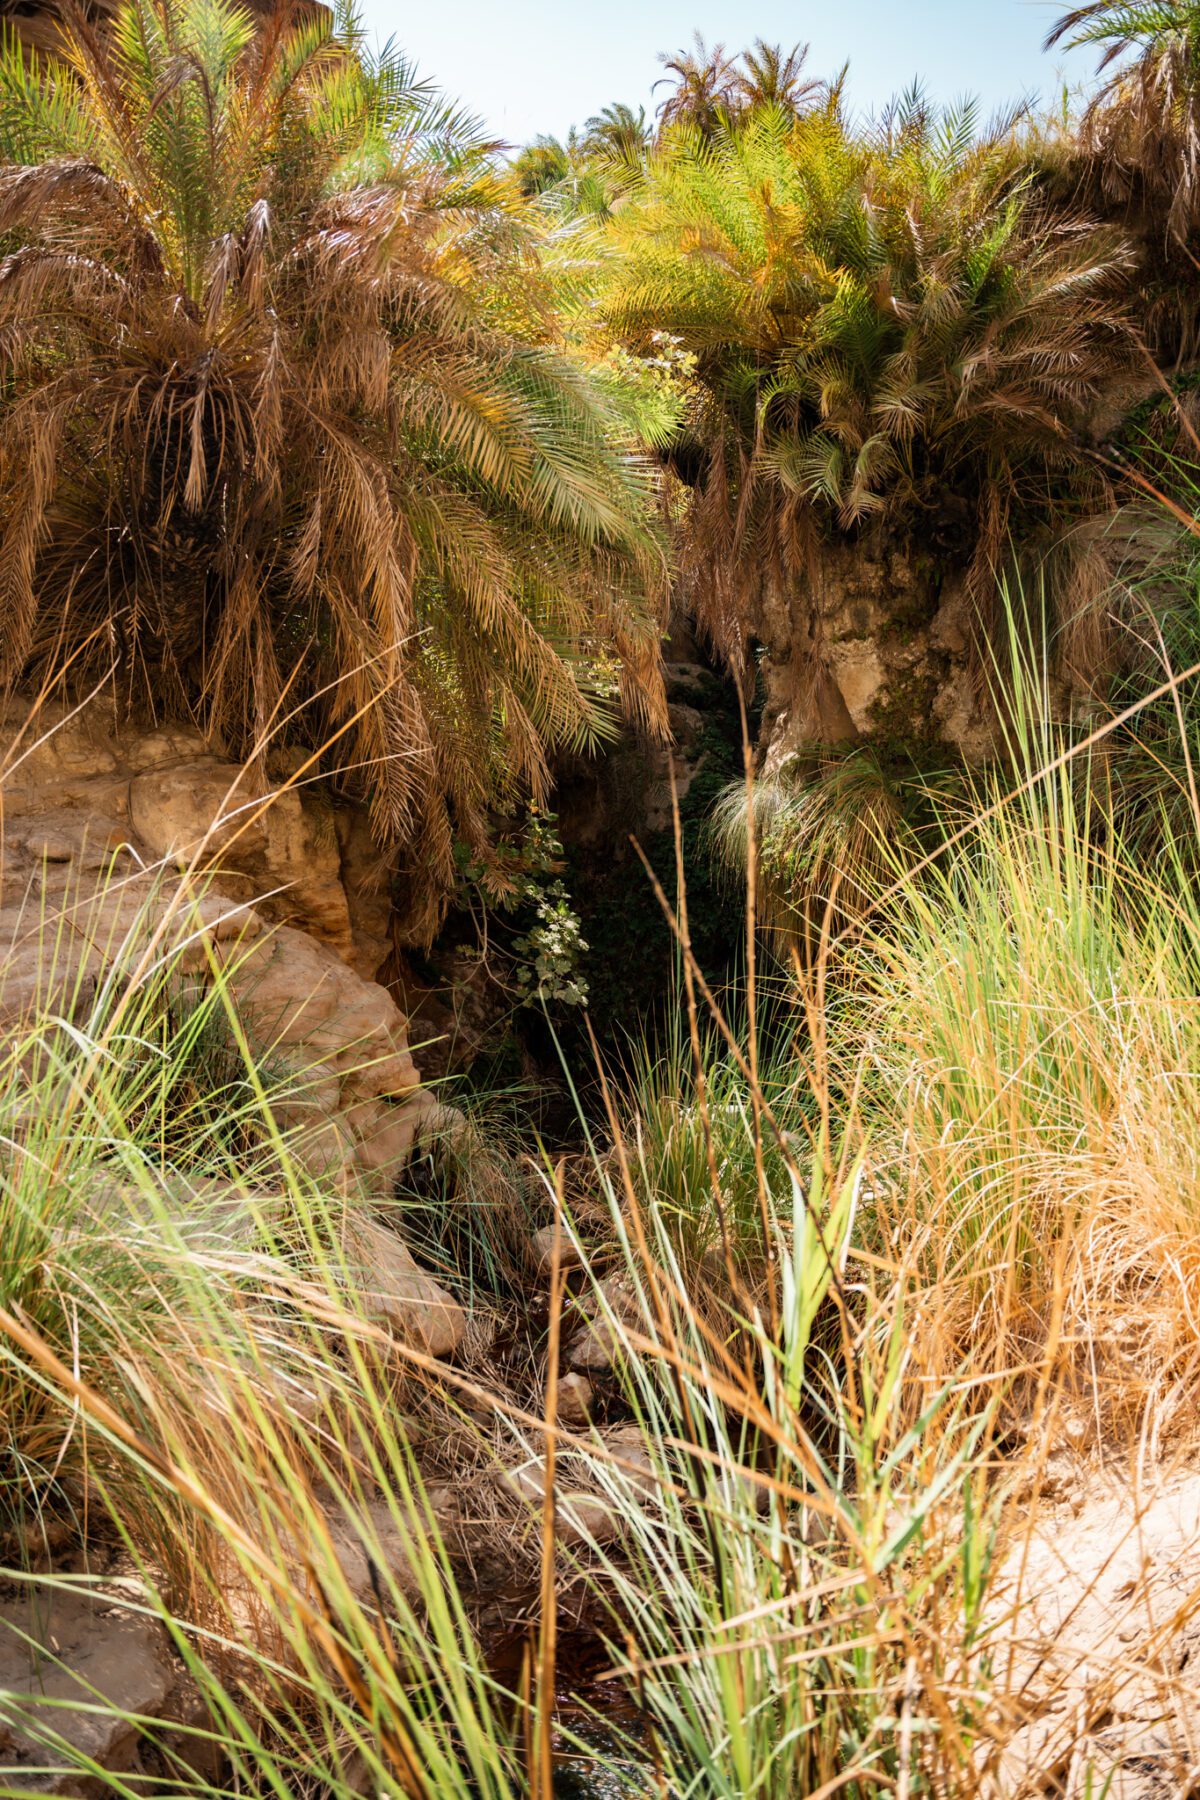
(285, 416)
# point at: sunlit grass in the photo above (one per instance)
(855, 1254)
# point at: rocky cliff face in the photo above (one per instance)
(874, 645)
(116, 838)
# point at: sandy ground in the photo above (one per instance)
(1103, 1651)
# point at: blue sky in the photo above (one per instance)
(534, 66)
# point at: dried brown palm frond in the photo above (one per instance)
(829, 831)
(1143, 137)
(1081, 579)
(1139, 138)
(286, 432)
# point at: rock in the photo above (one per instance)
(199, 806)
(575, 1398)
(366, 1536)
(63, 837)
(581, 1516)
(206, 1208)
(861, 677)
(627, 1444)
(297, 993)
(383, 1133)
(1092, 1612)
(97, 822)
(311, 1101)
(541, 1246)
(397, 1293)
(869, 647)
(64, 1652)
(586, 1510)
(598, 1344)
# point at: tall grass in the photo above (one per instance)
(210, 1397)
(797, 1599)
(1020, 1030)
(188, 1374)
(856, 1245)
(134, 1129)
(687, 1135)
(793, 1598)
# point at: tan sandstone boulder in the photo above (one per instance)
(99, 822)
(397, 1292)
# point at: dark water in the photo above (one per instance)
(589, 1711)
(610, 1768)
(580, 1780)
(613, 1766)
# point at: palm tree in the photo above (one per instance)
(884, 331)
(285, 434)
(1124, 27)
(703, 93)
(769, 76)
(567, 180)
(618, 134)
(1141, 132)
(541, 166)
(829, 833)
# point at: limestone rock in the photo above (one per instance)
(575, 1396)
(298, 993)
(1093, 1607)
(366, 1536)
(581, 1516)
(62, 1654)
(541, 1245)
(383, 1133)
(98, 820)
(628, 1446)
(398, 1293)
(861, 679)
(868, 648)
(273, 847)
(597, 1345)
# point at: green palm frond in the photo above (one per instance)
(878, 320)
(38, 118)
(1120, 27)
